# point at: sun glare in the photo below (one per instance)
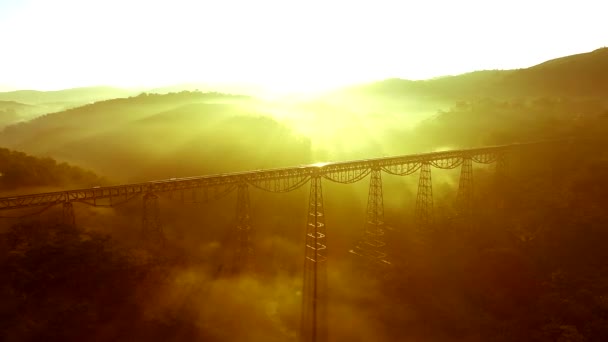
(283, 46)
(443, 148)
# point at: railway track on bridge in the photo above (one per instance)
(272, 180)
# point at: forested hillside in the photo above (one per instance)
(583, 75)
(20, 172)
(171, 135)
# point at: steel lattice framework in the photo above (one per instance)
(152, 230)
(202, 189)
(68, 216)
(244, 251)
(464, 198)
(501, 178)
(424, 199)
(272, 180)
(372, 245)
(314, 294)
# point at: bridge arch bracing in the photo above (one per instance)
(281, 182)
(485, 158)
(447, 163)
(204, 194)
(402, 169)
(111, 203)
(347, 176)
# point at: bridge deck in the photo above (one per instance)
(274, 180)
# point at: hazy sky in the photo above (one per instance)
(280, 43)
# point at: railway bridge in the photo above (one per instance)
(371, 246)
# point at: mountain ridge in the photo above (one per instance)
(79, 95)
(582, 74)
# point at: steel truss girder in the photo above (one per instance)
(280, 182)
(402, 169)
(347, 176)
(274, 180)
(201, 195)
(488, 157)
(447, 163)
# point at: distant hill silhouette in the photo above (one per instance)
(156, 131)
(581, 75)
(76, 123)
(11, 112)
(23, 105)
(227, 88)
(75, 96)
(12, 105)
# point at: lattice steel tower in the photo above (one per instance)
(152, 230)
(244, 251)
(424, 199)
(464, 198)
(501, 180)
(373, 245)
(68, 217)
(314, 293)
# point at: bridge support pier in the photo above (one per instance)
(372, 246)
(314, 292)
(464, 198)
(500, 180)
(424, 199)
(68, 217)
(244, 251)
(151, 228)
